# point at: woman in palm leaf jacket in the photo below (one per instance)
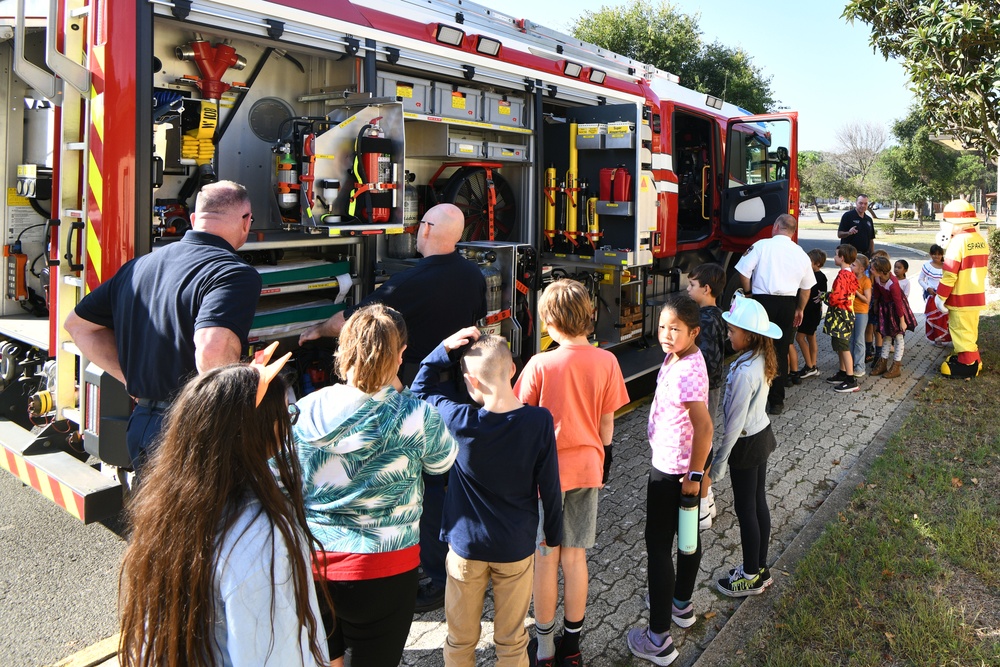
(363, 446)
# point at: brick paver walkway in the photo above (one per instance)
(820, 436)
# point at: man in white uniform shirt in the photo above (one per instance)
(779, 275)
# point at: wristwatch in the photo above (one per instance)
(695, 476)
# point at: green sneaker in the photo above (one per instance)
(765, 574)
(739, 585)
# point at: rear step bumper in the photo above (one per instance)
(59, 476)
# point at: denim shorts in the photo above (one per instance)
(579, 520)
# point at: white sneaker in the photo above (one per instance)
(706, 511)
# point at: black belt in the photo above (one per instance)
(153, 405)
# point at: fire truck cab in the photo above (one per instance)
(345, 120)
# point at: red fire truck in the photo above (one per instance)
(345, 120)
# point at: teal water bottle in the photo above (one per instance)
(687, 525)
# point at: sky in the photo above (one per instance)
(819, 64)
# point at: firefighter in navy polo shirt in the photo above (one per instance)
(857, 228)
(175, 312)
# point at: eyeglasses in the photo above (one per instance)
(248, 215)
(293, 413)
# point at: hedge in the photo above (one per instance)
(994, 262)
(903, 214)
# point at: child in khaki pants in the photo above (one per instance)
(506, 463)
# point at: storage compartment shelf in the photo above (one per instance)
(32, 330)
(462, 122)
(357, 230)
(281, 240)
(464, 142)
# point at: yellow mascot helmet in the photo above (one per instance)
(957, 215)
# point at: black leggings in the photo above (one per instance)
(781, 311)
(373, 618)
(750, 503)
(663, 496)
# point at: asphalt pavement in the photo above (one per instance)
(59, 581)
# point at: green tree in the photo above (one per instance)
(918, 169)
(951, 51)
(819, 178)
(729, 74)
(972, 173)
(657, 33)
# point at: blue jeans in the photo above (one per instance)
(143, 430)
(857, 345)
(432, 550)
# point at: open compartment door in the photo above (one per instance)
(761, 171)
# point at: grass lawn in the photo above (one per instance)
(909, 574)
(918, 240)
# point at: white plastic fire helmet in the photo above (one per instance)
(750, 315)
(957, 215)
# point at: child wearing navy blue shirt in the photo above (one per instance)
(506, 463)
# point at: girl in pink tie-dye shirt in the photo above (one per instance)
(680, 435)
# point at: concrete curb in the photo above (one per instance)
(756, 610)
(98, 654)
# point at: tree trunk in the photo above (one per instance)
(818, 214)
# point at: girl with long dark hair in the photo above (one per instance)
(217, 568)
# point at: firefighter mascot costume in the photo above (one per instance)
(962, 292)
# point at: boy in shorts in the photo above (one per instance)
(839, 322)
(581, 386)
(506, 464)
(811, 316)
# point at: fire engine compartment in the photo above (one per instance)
(445, 139)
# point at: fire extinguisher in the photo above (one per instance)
(374, 172)
(288, 182)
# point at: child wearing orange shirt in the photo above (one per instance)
(581, 386)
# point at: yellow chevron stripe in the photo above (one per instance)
(69, 500)
(94, 251)
(96, 181)
(97, 113)
(22, 470)
(46, 483)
